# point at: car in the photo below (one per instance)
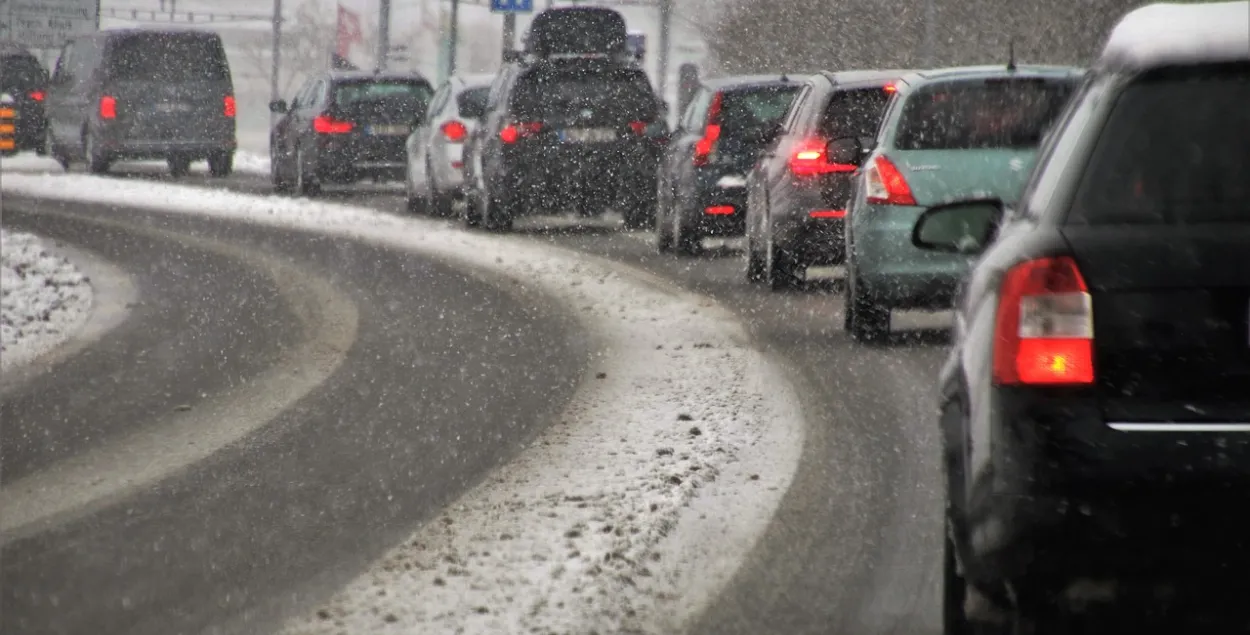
(24, 79)
(1094, 408)
(798, 191)
(581, 132)
(435, 149)
(947, 133)
(343, 126)
(702, 182)
(143, 94)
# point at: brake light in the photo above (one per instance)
(1044, 328)
(514, 132)
(885, 185)
(37, 95)
(811, 158)
(891, 88)
(454, 131)
(639, 127)
(228, 107)
(704, 147)
(108, 107)
(719, 210)
(827, 213)
(325, 124)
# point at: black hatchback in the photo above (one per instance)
(344, 126)
(25, 81)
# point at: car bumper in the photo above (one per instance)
(894, 271)
(550, 178)
(350, 157)
(718, 207)
(140, 149)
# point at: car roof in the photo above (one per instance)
(384, 75)
(1177, 34)
(747, 81)
(112, 33)
(839, 78)
(974, 72)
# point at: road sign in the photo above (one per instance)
(512, 6)
(47, 24)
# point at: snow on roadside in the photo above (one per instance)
(629, 513)
(245, 162)
(44, 299)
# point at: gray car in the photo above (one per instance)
(143, 94)
(435, 149)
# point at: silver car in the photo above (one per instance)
(436, 147)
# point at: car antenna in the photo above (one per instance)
(1011, 54)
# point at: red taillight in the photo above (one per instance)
(827, 213)
(228, 107)
(108, 107)
(639, 127)
(719, 210)
(1044, 328)
(37, 95)
(514, 132)
(704, 147)
(325, 124)
(454, 131)
(810, 158)
(891, 88)
(885, 185)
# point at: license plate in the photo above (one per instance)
(388, 131)
(168, 106)
(588, 135)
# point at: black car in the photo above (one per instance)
(24, 79)
(702, 183)
(143, 94)
(582, 133)
(799, 190)
(344, 126)
(1095, 408)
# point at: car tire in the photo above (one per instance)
(686, 241)
(220, 164)
(50, 149)
(663, 228)
(304, 186)
(281, 184)
(497, 217)
(754, 263)
(471, 214)
(97, 162)
(179, 165)
(780, 268)
(864, 319)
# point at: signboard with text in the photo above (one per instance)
(47, 24)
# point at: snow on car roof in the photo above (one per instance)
(1165, 34)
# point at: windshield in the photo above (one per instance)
(159, 57)
(981, 114)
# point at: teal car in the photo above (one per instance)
(948, 134)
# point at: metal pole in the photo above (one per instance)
(173, 9)
(384, 33)
(509, 31)
(276, 54)
(453, 37)
(666, 26)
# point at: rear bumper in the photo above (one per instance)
(718, 207)
(124, 139)
(808, 229)
(137, 149)
(549, 178)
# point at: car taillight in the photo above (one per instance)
(325, 124)
(108, 107)
(704, 147)
(228, 108)
(827, 213)
(37, 95)
(514, 132)
(454, 131)
(810, 158)
(719, 210)
(1044, 328)
(891, 88)
(639, 127)
(884, 184)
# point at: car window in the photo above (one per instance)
(406, 95)
(1173, 151)
(995, 113)
(696, 111)
(470, 97)
(439, 101)
(549, 93)
(165, 57)
(854, 113)
(756, 109)
(19, 72)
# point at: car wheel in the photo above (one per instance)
(280, 183)
(780, 270)
(663, 227)
(97, 162)
(471, 213)
(179, 165)
(304, 186)
(754, 263)
(864, 319)
(686, 241)
(497, 216)
(220, 164)
(50, 149)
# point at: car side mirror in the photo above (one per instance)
(846, 151)
(964, 227)
(278, 106)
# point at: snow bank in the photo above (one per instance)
(629, 513)
(44, 299)
(245, 162)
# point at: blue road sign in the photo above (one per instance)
(512, 6)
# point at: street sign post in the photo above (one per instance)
(47, 24)
(512, 6)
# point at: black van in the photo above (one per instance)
(578, 31)
(143, 94)
(22, 78)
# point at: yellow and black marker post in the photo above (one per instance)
(8, 125)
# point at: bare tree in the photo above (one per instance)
(308, 38)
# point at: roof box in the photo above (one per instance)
(1172, 34)
(577, 32)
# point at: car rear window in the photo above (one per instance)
(1175, 150)
(18, 72)
(854, 113)
(982, 114)
(473, 97)
(408, 96)
(168, 57)
(561, 94)
(755, 109)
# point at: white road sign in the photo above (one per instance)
(46, 24)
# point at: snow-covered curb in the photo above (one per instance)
(44, 299)
(244, 162)
(628, 514)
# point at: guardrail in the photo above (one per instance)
(8, 124)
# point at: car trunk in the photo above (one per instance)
(1171, 320)
(938, 176)
(162, 111)
(585, 111)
